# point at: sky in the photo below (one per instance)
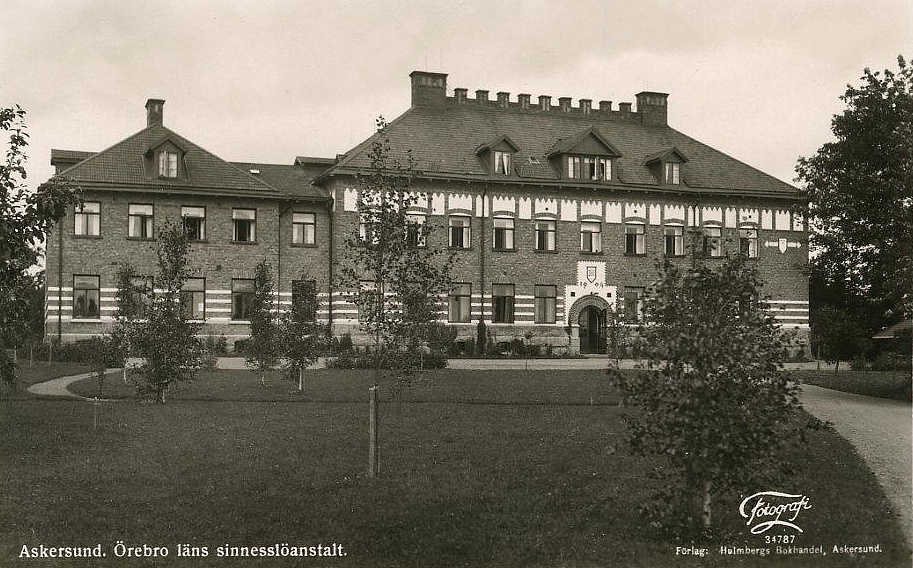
(265, 81)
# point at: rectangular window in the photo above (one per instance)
(502, 162)
(634, 239)
(139, 221)
(86, 297)
(242, 291)
(673, 173)
(86, 218)
(673, 241)
(193, 220)
(634, 304)
(366, 228)
(193, 299)
(168, 164)
(140, 287)
(573, 167)
(502, 303)
(244, 225)
(460, 231)
(415, 230)
(605, 169)
(712, 242)
(304, 299)
(460, 302)
(545, 235)
(504, 233)
(748, 242)
(546, 298)
(590, 236)
(304, 227)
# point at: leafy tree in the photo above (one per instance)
(25, 218)
(837, 334)
(712, 399)
(262, 351)
(859, 189)
(130, 303)
(302, 339)
(166, 339)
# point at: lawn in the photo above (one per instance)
(38, 372)
(478, 469)
(883, 384)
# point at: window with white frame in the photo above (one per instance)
(193, 299)
(242, 293)
(502, 162)
(748, 242)
(193, 219)
(460, 231)
(546, 298)
(590, 236)
(168, 164)
(545, 235)
(634, 304)
(634, 239)
(86, 300)
(503, 233)
(140, 288)
(460, 302)
(672, 173)
(573, 167)
(244, 225)
(304, 227)
(415, 230)
(502, 303)
(712, 242)
(673, 240)
(140, 221)
(87, 218)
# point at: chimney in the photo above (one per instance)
(523, 99)
(564, 103)
(586, 105)
(460, 95)
(652, 108)
(624, 109)
(503, 99)
(545, 103)
(481, 96)
(154, 113)
(428, 89)
(605, 106)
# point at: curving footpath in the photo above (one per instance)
(58, 386)
(880, 429)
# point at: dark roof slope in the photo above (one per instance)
(291, 180)
(443, 141)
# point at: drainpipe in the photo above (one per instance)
(480, 333)
(331, 239)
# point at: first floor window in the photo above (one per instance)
(193, 299)
(244, 225)
(86, 297)
(748, 242)
(502, 303)
(634, 304)
(303, 228)
(140, 287)
(459, 303)
(86, 219)
(634, 239)
(193, 220)
(304, 300)
(590, 236)
(242, 292)
(545, 235)
(673, 243)
(459, 231)
(415, 230)
(504, 233)
(139, 221)
(712, 242)
(545, 302)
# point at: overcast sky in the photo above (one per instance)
(266, 81)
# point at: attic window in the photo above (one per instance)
(533, 160)
(593, 168)
(502, 162)
(672, 173)
(168, 164)
(255, 171)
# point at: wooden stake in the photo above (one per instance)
(372, 431)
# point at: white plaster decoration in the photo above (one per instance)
(691, 221)
(748, 216)
(711, 215)
(545, 207)
(437, 204)
(459, 201)
(613, 212)
(654, 214)
(568, 209)
(504, 204)
(781, 220)
(590, 282)
(767, 220)
(729, 219)
(675, 212)
(350, 199)
(635, 210)
(420, 200)
(591, 209)
(798, 222)
(524, 208)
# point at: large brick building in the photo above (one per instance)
(554, 213)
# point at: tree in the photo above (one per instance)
(302, 339)
(837, 334)
(397, 281)
(130, 303)
(262, 351)
(166, 340)
(859, 190)
(712, 399)
(25, 218)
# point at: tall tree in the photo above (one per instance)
(302, 338)
(262, 350)
(859, 189)
(25, 218)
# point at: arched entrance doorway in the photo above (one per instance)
(589, 314)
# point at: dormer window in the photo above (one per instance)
(502, 162)
(592, 168)
(666, 166)
(586, 156)
(168, 164)
(672, 173)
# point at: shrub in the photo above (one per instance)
(345, 343)
(240, 346)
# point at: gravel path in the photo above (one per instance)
(58, 386)
(880, 429)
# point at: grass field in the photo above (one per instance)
(478, 469)
(38, 372)
(883, 384)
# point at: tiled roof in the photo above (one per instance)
(443, 142)
(70, 155)
(124, 164)
(291, 180)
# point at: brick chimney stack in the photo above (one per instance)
(460, 95)
(428, 89)
(523, 99)
(605, 106)
(481, 96)
(652, 108)
(545, 103)
(154, 113)
(564, 103)
(586, 105)
(624, 109)
(503, 99)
